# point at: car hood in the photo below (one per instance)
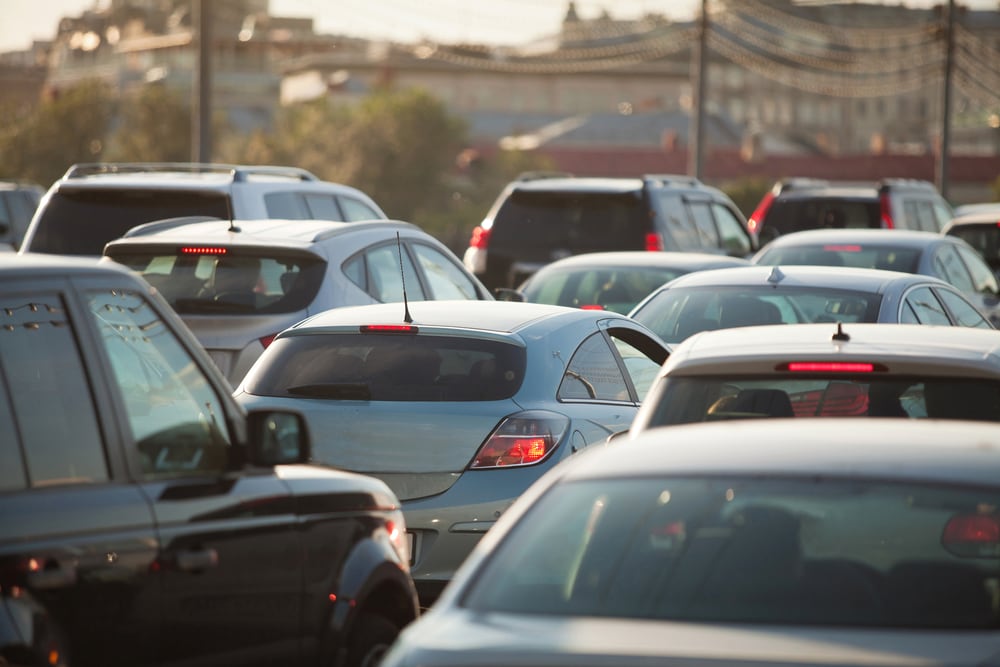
(448, 636)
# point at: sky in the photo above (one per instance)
(510, 22)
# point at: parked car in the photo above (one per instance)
(537, 220)
(827, 370)
(946, 257)
(95, 203)
(456, 405)
(978, 207)
(981, 231)
(146, 518)
(611, 280)
(237, 284)
(798, 204)
(18, 202)
(792, 294)
(850, 543)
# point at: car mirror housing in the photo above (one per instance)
(276, 437)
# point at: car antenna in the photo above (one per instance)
(402, 276)
(840, 335)
(229, 210)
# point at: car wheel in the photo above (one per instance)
(371, 638)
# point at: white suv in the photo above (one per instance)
(95, 203)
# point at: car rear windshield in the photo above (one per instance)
(536, 223)
(80, 222)
(390, 367)
(890, 258)
(795, 215)
(196, 282)
(679, 312)
(819, 551)
(616, 289)
(707, 398)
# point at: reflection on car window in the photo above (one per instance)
(377, 271)
(593, 374)
(177, 420)
(982, 276)
(641, 369)
(949, 267)
(925, 307)
(964, 313)
(734, 235)
(357, 210)
(50, 394)
(445, 279)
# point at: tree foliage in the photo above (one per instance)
(154, 126)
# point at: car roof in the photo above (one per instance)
(641, 259)
(795, 275)
(929, 450)
(906, 348)
(44, 264)
(830, 190)
(578, 184)
(271, 232)
(985, 217)
(495, 316)
(908, 238)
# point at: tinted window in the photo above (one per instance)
(793, 214)
(708, 234)
(235, 284)
(323, 206)
(847, 254)
(949, 267)
(734, 235)
(982, 277)
(377, 271)
(790, 551)
(50, 395)
(614, 289)
(445, 278)
(286, 206)
(984, 238)
(355, 209)
(593, 374)
(177, 420)
(925, 307)
(965, 313)
(81, 222)
(390, 368)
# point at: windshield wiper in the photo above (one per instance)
(351, 391)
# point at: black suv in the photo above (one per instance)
(797, 204)
(146, 518)
(537, 220)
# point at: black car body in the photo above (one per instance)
(147, 519)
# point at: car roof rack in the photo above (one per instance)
(673, 179)
(538, 175)
(240, 173)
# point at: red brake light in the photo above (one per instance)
(592, 306)
(654, 242)
(842, 248)
(389, 328)
(828, 367)
(886, 211)
(975, 528)
(757, 217)
(480, 237)
(267, 340)
(203, 250)
(521, 440)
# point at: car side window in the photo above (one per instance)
(964, 313)
(382, 278)
(950, 267)
(323, 206)
(593, 374)
(178, 422)
(982, 277)
(641, 369)
(286, 206)
(708, 235)
(50, 395)
(735, 240)
(920, 306)
(355, 209)
(444, 277)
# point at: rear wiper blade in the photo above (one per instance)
(356, 391)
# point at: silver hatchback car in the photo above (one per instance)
(237, 284)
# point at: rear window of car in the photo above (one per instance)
(576, 222)
(890, 258)
(389, 367)
(615, 289)
(679, 312)
(237, 284)
(788, 215)
(683, 400)
(801, 551)
(81, 222)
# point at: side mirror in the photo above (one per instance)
(276, 437)
(508, 294)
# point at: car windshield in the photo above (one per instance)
(816, 551)
(890, 258)
(196, 282)
(390, 367)
(81, 222)
(682, 400)
(615, 289)
(676, 313)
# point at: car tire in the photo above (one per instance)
(370, 639)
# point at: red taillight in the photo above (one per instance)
(203, 250)
(389, 328)
(654, 242)
(480, 237)
(886, 211)
(757, 217)
(521, 440)
(592, 306)
(267, 340)
(827, 367)
(842, 248)
(974, 528)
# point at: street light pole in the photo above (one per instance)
(944, 149)
(201, 125)
(696, 135)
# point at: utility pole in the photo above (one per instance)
(201, 121)
(699, 68)
(944, 148)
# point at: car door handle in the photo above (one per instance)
(197, 560)
(52, 575)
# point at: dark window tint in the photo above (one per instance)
(682, 400)
(845, 254)
(81, 222)
(984, 238)
(794, 214)
(593, 374)
(790, 551)
(50, 394)
(390, 367)
(615, 289)
(234, 284)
